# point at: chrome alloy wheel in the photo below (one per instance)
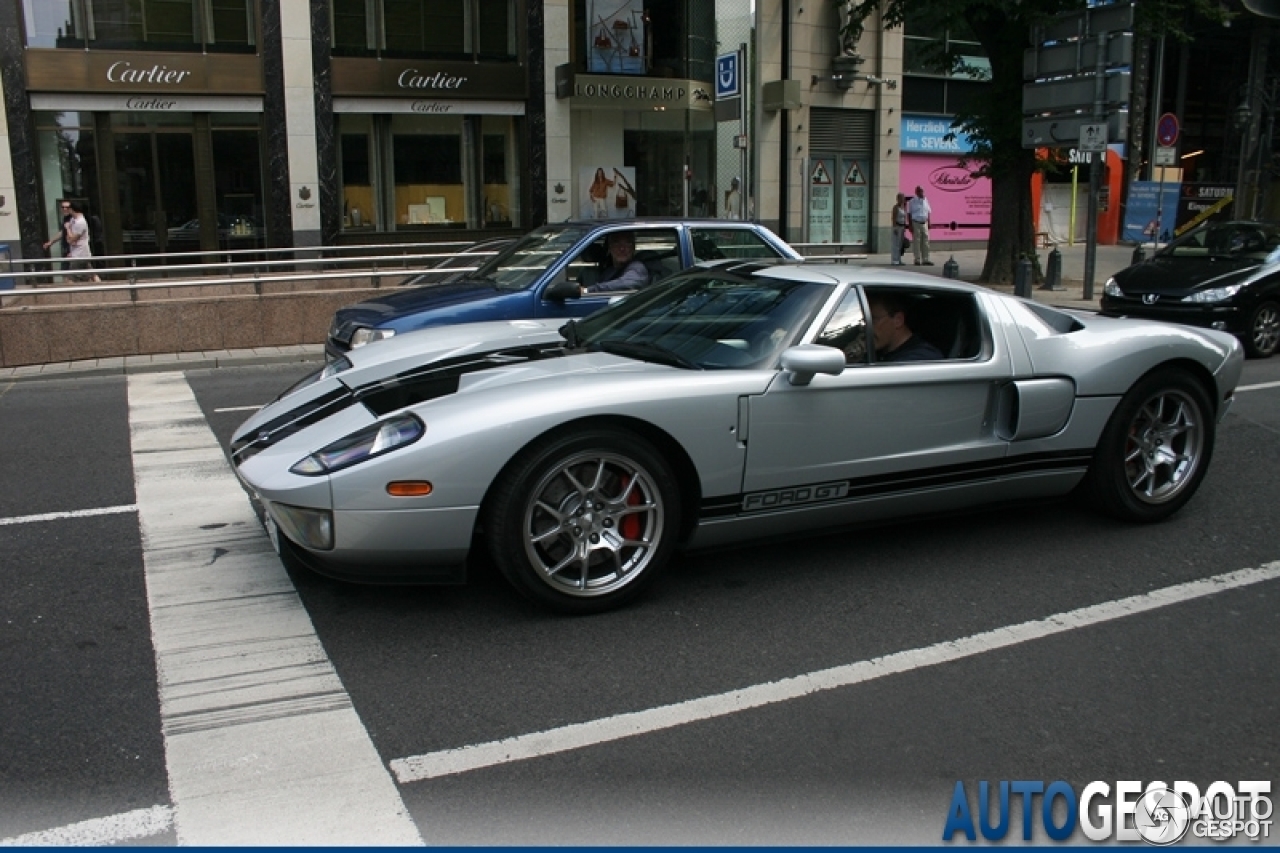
(593, 523)
(1265, 331)
(1164, 448)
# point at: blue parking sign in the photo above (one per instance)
(727, 75)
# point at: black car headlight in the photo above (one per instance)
(375, 440)
(1214, 294)
(1112, 289)
(363, 336)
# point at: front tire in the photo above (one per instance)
(1155, 449)
(583, 522)
(1263, 335)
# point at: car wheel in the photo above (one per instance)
(1264, 331)
(1155, 449)
(583, 522)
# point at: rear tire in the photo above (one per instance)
(583, 522)
(1155, 449)
(1263, 334)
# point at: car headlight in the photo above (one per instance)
(375, 440)
(1214, 294)
(362, 336)
(1112, 289)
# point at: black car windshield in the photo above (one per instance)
(1241, 240)
(712, 320)
(523, 262)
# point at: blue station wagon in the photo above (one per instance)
(539, 275)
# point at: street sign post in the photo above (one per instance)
(727, 77)
(1167, 130)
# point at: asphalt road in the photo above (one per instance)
(767, 729)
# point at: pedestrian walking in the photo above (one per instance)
(74, 236)
(898, 224)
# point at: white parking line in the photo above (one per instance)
(101, 831)
(261, 743)
(452, 761)
(1259, 387)
(75, 513)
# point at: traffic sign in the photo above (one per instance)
(1093, 138)
(1074, 93)
(1167, 130)
(1064, 131)
(1166, 155)
(727, 83)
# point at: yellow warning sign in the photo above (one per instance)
(854, 176)
(820, 174)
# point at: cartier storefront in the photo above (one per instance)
(427, 146)
(164, 148)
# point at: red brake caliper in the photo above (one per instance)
(630, 525)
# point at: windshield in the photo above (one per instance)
(1242, 240)
(711, 320)
(523, 262)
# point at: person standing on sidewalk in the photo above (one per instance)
(918, 211)
(898, 222)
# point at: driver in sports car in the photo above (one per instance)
(895, 342)
(625, 271)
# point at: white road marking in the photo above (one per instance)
(75, 513)
(262, 744)
(101, 831)
(1259, 387)
(237, 409)
(461, 760)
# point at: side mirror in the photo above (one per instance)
(560, 290)
(804, 361)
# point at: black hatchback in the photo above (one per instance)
(1222, 275)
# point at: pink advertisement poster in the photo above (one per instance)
(961, 203)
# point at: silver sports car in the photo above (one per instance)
(731, 402)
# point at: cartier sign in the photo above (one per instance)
(119, 72)
(398, 78)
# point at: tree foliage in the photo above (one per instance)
(993, 120)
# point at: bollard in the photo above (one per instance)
(1053, 275)
(1139, 254)
(951, 269)
(1022, 278)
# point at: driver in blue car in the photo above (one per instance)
(625, 271)
(895, 342)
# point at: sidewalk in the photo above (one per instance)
(1107, 260)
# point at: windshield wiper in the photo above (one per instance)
(645, 352)
(569, 331)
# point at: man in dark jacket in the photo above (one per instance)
(895, 342)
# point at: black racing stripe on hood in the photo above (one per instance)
(438, 379)
(441, 378)
(279, 428)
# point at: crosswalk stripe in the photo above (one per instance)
(262, 744)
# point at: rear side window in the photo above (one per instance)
(718, 244)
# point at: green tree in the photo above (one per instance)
(993, 121)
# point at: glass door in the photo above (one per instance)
(156, 178)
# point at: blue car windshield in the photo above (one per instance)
(706, 321)
(523, 262)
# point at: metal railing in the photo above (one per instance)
(843, 252)
(321, 266)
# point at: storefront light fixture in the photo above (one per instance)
(1192, 154)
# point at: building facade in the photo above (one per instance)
(200, 125)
